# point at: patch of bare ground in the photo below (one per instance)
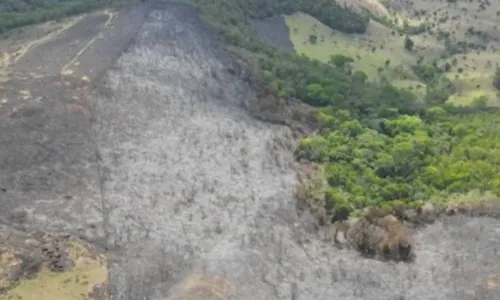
(272, 30)
(21, 42)
(203, 288)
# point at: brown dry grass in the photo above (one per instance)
(204, 288)
(381, 235)
(475, 204)
(487, 284)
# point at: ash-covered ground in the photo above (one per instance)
(133, 136)
(274, 31)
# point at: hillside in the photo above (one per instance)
(20, 6)
(19, 13)
(459, 38)
(165, 151)
(390, 110)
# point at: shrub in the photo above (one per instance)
(409, 44)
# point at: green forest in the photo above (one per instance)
(407, 160)
(379, 145)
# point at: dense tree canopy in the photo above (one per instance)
(496, 79)
(408, 159)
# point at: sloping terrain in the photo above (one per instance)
(49, 266)
(379, 52)
(375, 7)
(361, 48)
(471, 22)
(129, 130)
(460, 34)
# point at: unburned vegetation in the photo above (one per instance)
(460, 41)
(379, 52)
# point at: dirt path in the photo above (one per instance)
(20, 54)
(65, 69)
(8, 59)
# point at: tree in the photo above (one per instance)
(402, 124)
(447, 67)
(426, 72)
(339, 60)
(402, 155)
(352, 128)
(313, 39)
(480, 102)
(496, 79)
(317, 94)
(409, 43)
(359, 77)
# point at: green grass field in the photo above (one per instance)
(415, 86)
(380, 53)
(472, 86)
(370, 51)
(476, 79)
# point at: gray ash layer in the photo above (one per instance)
(274, 31)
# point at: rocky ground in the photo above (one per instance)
(130, 132)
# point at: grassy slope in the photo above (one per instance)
(477, 68)
(90, 270)
(360, 47)
(456, 19)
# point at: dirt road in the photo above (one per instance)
(141, 145)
